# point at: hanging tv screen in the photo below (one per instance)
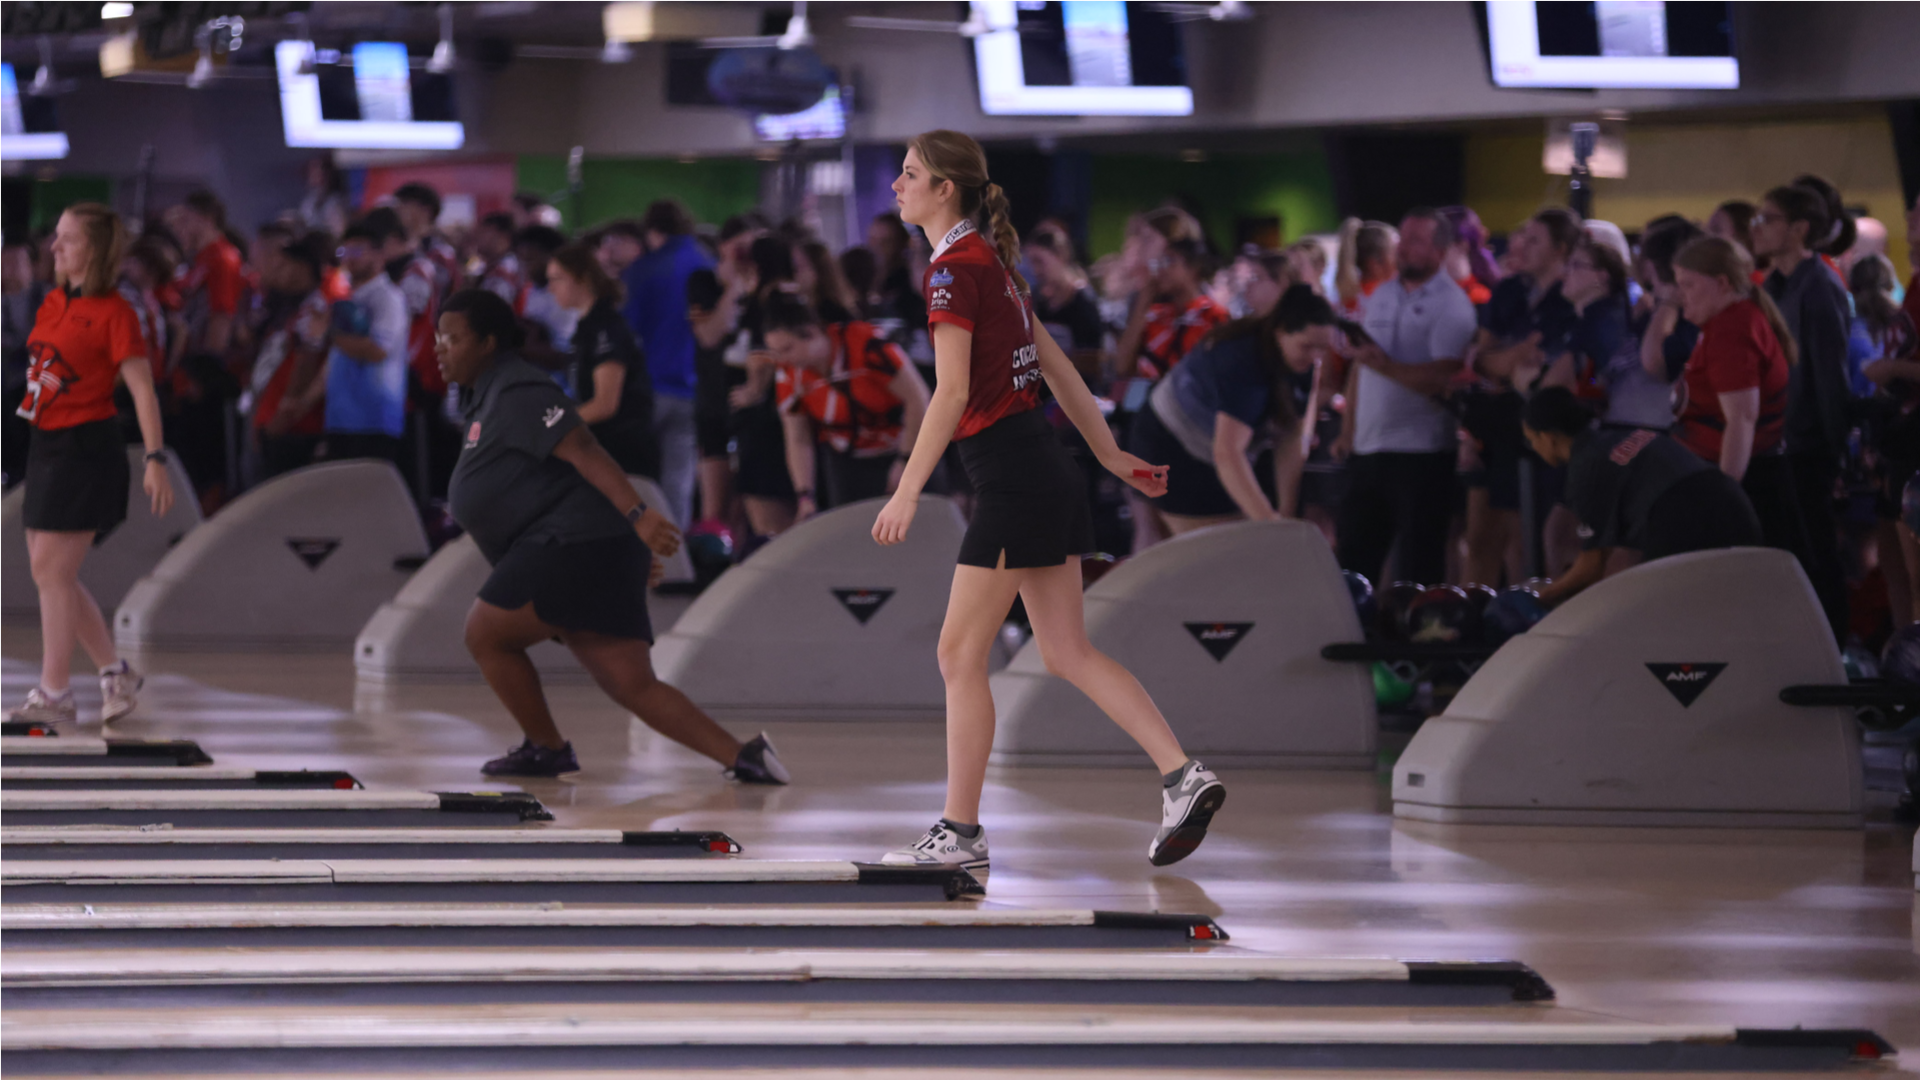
(364, 98)
(1080, 58)
(1612, 44)
(29, 130)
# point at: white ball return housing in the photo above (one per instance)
(1224, 628)
(298, 563)
(1652, 698)
(124, 557)
(420, 634)
(823, 623)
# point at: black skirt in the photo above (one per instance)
(597, 586)
(77, 479)
(1030, 498)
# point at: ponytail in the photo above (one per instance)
(952, 156)
(1779, 323)
(999, 229)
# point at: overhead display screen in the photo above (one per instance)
(1080, 58)
(369, 98)
(29, 128)
(1612, 44)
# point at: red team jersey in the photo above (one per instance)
(77, 346)
(852, 404)
(1171, 333)
(1737, 350)
(967, 285)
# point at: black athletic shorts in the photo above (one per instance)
(760, 445)
(598, 586)
(1704, 512)
(713, 377)
(77, 479)
(850, 479)
(1193, 485)
(1030, 498)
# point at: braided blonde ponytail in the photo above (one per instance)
(993, 206)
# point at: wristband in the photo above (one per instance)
(638, 511)
(157, 455)
(803, 493)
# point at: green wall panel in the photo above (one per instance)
(1298, 188)
(713, 189)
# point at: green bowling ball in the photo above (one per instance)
(1389, 689)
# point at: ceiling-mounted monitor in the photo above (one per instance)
(1612, 44)
(366, 98)
(825, 119)
(29, 130)
(1080, 58)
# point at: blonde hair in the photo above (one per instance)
(952, 156)
(106, 246)
(1717, 257)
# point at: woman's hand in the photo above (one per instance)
(1149, 480)
(656, 572)
(891, 526)
(159, 487)
(659, 533)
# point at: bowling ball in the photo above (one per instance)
(1480, 596)
(1860, 661)
(1441, 615)
(1390, 689)
(1094, 567)
(1361, 590)
(1390, 620)
(1514, 611)
(1910, 504)
(710, 549)
(1900, 660)
(352, 317)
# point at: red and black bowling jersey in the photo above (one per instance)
(968, 286)
(852, 404)
(1171, 333)
(77, 346)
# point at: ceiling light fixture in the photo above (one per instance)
(109, 12)
(442, 61)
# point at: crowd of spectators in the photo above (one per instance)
(1372, 381)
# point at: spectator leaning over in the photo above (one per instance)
(848, 392)
(1250, 383)
(1797, 224)
(1527, 320)
(1884, 344)
(286, 386)
(1734, 389)
(366, 377)
(609, 373)
(1401, 438)
(656, 308)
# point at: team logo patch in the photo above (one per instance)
(941, 277)
(473, 434)
(1218, 638)
(863, 603)
(1686, 682)
(312, 551)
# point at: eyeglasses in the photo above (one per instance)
(1768, 217)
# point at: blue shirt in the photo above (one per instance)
(657, 311)
(370, 398)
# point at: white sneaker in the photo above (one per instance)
(44, 708)
(942, 847)
(118, 684)
(1186, 809)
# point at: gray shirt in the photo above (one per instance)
(1414, 325)
(508, 489)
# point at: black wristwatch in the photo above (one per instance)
(157, 455)
(639, 511)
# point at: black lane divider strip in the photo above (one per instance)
(27, 729)
(1193, 927)
(184, 779)
(956, 883)
(706, 841)
(488, 802)
(124, 752)
(1522, 981)
(1389, 651)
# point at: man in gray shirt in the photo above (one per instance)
(1400, 437)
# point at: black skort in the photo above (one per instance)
(1030, 498)
(1193, 484)
(77, 479)
(597, 586)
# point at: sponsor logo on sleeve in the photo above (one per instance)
(1686, 682)
(1219, 639)
(941, 277)
(863, 604)
(553, 416)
